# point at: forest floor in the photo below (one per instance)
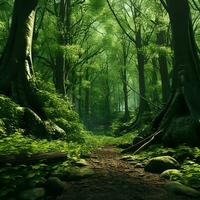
(116, 179)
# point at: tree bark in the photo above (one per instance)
(161, 41)
(143, 103)
(16, 69)
(180, 117)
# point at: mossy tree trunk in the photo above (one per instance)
(16, 69)
(179, 120)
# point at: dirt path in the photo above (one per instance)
(116, 179)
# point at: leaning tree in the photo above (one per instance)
(17, 78)
(179, 120)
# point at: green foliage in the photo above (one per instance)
(11, 114)
(97, 5)
(61, 112)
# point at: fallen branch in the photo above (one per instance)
(33, 159)
(143, 143)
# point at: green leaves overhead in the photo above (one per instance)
(97, 5)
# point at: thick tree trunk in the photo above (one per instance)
(16, 70)
(17, 78)
(180, 117)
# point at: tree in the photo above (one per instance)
(179, 120)
(16, 67)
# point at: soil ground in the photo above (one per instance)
(115, 179)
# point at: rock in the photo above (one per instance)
(179, 188)
(182, 130)
(183, 153)
(32, 194)
(171, 174)
(81, 163)
(160, 164)
(139, 165)
(54, 186)
(127, 158)
(76, 174)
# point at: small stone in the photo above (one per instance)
(127, 158)
(139, 165)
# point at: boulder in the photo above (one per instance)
(54, 186)
(32, 194)
(178, 188)
(171, 174)
(182, 130)
(161, 163)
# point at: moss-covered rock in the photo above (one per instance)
(161, 163)
(178, 188)
(183, 152)
(171, 174)
(77, 173)
(182, 130)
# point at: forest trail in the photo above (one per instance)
(115, 179)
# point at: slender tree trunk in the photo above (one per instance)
(80, 97)
(125, 90)
(143, 103)
(107, 117)
(161, 41)
(125, 52)
(87, 100)
(155, 95)
(61, 69)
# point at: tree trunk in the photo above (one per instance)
(16, 70)
(161, 41)
(87, 100)
(125, 90)
(180, 118)
(155, 94)
(143, 103)
(125, 48)
(61, 69)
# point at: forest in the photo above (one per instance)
(99, 99)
